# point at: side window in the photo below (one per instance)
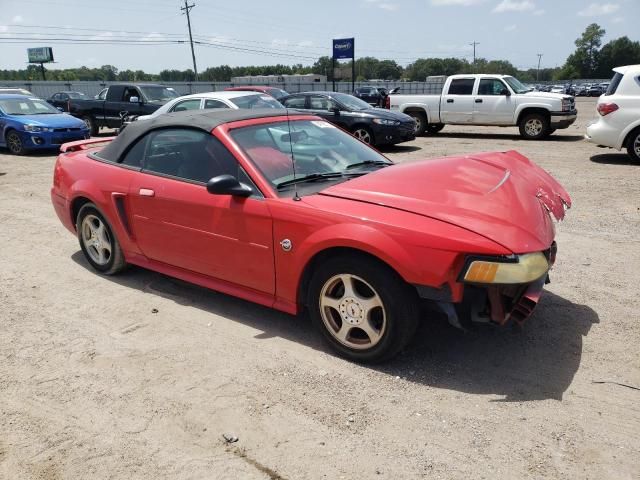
(103, 94)
(192, 104)
(461, 86)
(134, 156)
(63, 97)
(214, 104)
(128, 93)
(319, 103)
(490, 86)
(189, 154)
(294, 102)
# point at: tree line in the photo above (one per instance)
(589, 60)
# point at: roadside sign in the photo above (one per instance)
(343, 48)
(40, 55)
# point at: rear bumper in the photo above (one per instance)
(601, 133)
(63, 210)
(561, 120)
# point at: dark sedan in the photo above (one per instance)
(372, 95)
(61, 99)
(373, 126)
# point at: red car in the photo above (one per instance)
(213, 198)
(276, 93)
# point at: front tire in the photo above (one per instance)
(421, 122)
(364, 309)
(14, 143)
(98, 242)
(534, 126)
(435, 128)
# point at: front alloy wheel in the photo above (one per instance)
(363, 135)
(534, 126)
(14, 143)
(633, 146)
(364, 309)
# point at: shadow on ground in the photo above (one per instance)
(535, 362)
(506, 136)
(398, 148)
(613, 159)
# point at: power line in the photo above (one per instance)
(187, 8)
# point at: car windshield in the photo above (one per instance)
(321, 152)
(515, 85)
(159, 94)
(26, 106)
(351, 102)
(78, 95)
(256, 101)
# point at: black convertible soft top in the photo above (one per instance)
(205, 120)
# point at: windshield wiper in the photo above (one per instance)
(316, 177)
(369, 162)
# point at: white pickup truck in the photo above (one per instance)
(497, 100)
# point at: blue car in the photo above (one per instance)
(28, 123)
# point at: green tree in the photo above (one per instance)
(616, 53)
(585, 59)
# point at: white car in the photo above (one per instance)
(618, 125)
(200, 101)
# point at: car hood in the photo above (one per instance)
(547, 95)
(55, 120)
(386, 114)
(501, 196)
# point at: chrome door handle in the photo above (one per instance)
(147, 192)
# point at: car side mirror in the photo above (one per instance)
(134, 100)
(228, 185)
(505, 92)
(334, 109)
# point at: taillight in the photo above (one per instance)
(607, 108)
(387, 103)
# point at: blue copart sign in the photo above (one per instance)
(343, 48)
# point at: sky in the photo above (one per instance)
(152, 35)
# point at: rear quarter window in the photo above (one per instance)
(615, 82)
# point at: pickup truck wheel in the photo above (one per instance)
(435, 128)
(365, 310)
(534, 126)
(14, 143)
(633, 145)
(91, 125)
(421, 122)
(364, 135)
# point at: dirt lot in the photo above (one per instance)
(139, 376)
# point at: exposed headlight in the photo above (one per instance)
(566, 104)
(518, 269)
(384, 121)
(35, 128)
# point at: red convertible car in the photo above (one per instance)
(214, 198)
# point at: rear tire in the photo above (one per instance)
(364, 310)
(434, 128)
(534, 126)
(14, 143)
(91, 125)
(98, 242)
(421, 122)
(633, 145)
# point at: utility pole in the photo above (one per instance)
(538, 71)
(474, 51)
(186, 9)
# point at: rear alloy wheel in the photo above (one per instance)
(364, 310)
(534, 126)
(14, 143)
(421, 122)
(91, 125)
(364, 135)
(633, 145)
(97, 241)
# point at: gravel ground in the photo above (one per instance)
(138, 376)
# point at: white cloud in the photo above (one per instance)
(4, 29)
(514, 6)
(539, 12)
(384, 5)
(17, 19)
(305, 43)
(510, 28)
(446, 3)
(618, 20)
(596, 9)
